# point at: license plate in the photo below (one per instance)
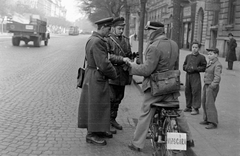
(29, 27)
(177, 141)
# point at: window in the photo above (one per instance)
(231, 11)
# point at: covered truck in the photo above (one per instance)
(73, 30)
(28, 28)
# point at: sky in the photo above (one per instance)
(72, 10)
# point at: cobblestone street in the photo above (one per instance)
(39, 103)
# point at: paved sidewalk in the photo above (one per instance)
(225, 140)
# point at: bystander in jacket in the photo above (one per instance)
(194, 64)
(212, 78)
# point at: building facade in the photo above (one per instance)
(49, 8)
(207, 21)
(223, 21)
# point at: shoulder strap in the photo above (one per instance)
(116, 43)
(84, 64)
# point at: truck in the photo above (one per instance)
(73, 30)
(33, 28)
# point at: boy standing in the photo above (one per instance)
(212, 79)
(193, 65)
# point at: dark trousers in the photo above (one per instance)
(117, 94)
(230, 65)
(208, 102)
(193, 90)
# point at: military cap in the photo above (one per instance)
(153, 25)
(106, 22)
(230, 34)
(215, 50)
(119, 21)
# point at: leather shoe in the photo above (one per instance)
(134, 148)
(190, 143)
(105, 134)
(188, 110)
(116, 125)
(94, 139)
(112, 130)
(204, 123)
(211, 126)
(195, 112)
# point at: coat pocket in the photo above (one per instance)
(100, 77)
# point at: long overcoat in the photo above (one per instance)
(94, 105)
(231, 54)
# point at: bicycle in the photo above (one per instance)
(164, 124)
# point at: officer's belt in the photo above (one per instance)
(117, 65)
(91, 67)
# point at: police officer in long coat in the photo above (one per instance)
(120, 50)
(94, 105)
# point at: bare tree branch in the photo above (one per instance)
(111, 7)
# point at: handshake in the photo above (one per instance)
(130, 59)
(133, 55)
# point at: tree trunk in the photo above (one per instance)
(141, 29)
(176, 34)
(127, 18)
(176, 22)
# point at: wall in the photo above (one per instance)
(224, 28)
(201, 5)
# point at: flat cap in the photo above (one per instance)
(153, 25)
(106, 22)
(119, 21)
(215, 50)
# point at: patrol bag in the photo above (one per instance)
(81, 74)
(165, 82)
